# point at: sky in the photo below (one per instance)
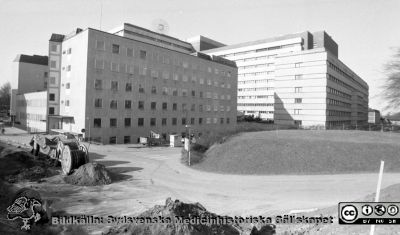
(366, 31)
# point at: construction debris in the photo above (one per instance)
(175, 209)
(89, 174)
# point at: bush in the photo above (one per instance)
(195, 157)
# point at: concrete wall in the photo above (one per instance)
(77, 77)
(82, 93)
(31, 111)
(29, 77)
(300, 88)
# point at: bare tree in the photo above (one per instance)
(392, 83)
(5, 91)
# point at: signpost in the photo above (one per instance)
(378, 191)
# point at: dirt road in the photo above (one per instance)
(147, 176)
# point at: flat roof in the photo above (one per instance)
(32, 59)
(252, 43)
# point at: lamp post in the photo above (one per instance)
(188, 134)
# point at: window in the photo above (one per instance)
(200, 108)
(152, 121)
(128, 104)
(128, 87)
(193, 107)
(221, 120)
(193, 93)
(129, 52)
(143, 54)
(46, 74)
(184, 107)
(165, 75)
(175, 92)
(200, 121)
(174, 121)
(298, 89)
(98, 84)
(153, 105)
(100, 45)
(201, 94)
(297, 65)
(52, 97)
(115, 49)
(53, 64)
(113, 104)
(228, 120)
(164, 122)
(69, 68)
(215, 120)
(67, 103)
(164, 106)
(153, 90)
(192, 121)
(98, 103)
(141, 105)
(174, 106)
(127, 139)
(165, 91)
(51, 110)
(298, 76)
(154, 74)
(141, 89)
(97, 122)
(69, 51)
(67, 85)
(113, 122)
(114, 67)
(52, 80)
(201, 80)
(127, 122)
(183, 121)
(176, 77)
(53, 48)
(298, 100)
(297, 111)
(184, 92)
(113, 140)
(185, 78)
(140, 121)
(114, 85)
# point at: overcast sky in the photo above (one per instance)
(365, 30)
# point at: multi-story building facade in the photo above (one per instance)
(297, 79)
(374, 116)
(30, 75)
(122, 84)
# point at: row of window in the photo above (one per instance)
(113, 122)
(31, 116)
(245, 97)
(144, 55)
(255, 104)
(256, 89)
(338, 113)
(339, 93)
(255, 81)
(32, 103)
(255, 66)
(338, 103)
(240, 75)
(337, 69)
(98, 103)
(98, 85)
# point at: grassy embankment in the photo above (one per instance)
(301, 152)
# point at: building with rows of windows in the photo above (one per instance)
(297, 79)
(125, 83)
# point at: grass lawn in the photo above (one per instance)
(304, 152)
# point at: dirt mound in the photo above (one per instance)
(174, 209)
(90, 174)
